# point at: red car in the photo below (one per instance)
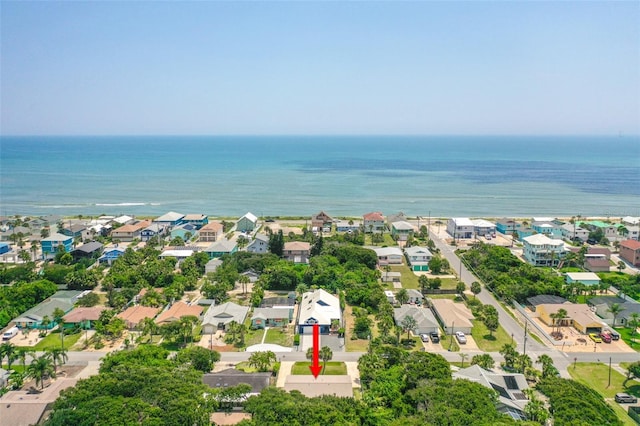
(606, 337)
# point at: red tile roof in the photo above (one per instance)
(630, 244)
(373, 216)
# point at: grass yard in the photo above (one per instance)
(278, 337)
(244, 366)
(357, 345)
(407, 277)
(488, 343)
(596, 376)
(632, 341)
(253, 337)
(53, 341)
(448, 283)
(449, 342)
(333, 368)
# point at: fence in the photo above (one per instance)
(539, 329)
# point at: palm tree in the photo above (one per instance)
(325, 354)
(402, 296)
(634, 322)
(244, 280)
(34, 248)
(10, 351)
(615, 309)
(22, 356)
(463, 356)
(57, 317)
(476, 288)
(408, 323)
(186, 323)
(58, 356)
(41, 368)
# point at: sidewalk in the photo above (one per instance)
(285, 371)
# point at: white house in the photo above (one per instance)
(418, 257)
(425, 320)
(540, 250)
(318, 307)
(218, 317)
(260, 244)
(373, 222)
(460, 227)
(483, 227)
(389, 255)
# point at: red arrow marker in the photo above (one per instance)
(315, 366)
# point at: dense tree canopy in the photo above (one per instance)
(16, 299)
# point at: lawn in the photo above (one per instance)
(633, 342)
(449, 283)
(487, 343)
(407, 277)
(333, 368)
(357, 345)
(278, 337)
(596, 376)
(53, 341)
(450, 343)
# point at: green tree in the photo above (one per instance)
(615, 309)
(202, 359)
(485, 361)
(41, 368)
(58, 356)
(476, 288)
(548, 369)
(633, 371)
(22, 356)
(10, 351)
(408, 324)
(276, 243)
(435, 265)
(423, 280)
(509, 354)
(402, 296)
(460, 288)
(326, 354)
(262, 360)
(435, 283)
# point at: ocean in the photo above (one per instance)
(443, 176)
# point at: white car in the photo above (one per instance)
(461, 338)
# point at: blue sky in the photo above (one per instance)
(320, 68)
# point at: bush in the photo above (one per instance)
(296, 340)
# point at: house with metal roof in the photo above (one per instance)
(197, 220)
(259, 244)
(402, 230)
(483, 227)
(511, 388)
(170, 219)
(460, 227)
(34, 317)
(318, 307)
(220, 248)
(154, 230)
(586, 278)
(426, 322)
(452, 316)
(218, 317)
(418, 258)
(389, 255)
(271, 317)
(92, 249)
(345, 226)
(50, 245)
(247, 223)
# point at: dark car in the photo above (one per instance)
(626, 398)
(435, 338)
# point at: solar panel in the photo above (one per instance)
(511, 382)
(519, 395)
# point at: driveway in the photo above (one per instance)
(306, 341)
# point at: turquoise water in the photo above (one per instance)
(299, 175)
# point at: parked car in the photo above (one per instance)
(626, 398)
(488, 237)
(424, 338)
(435, 338)
(462, 339)
(10, 333)
(595, 337)
(614, 334)
(606, 337)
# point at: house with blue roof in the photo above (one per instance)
(50, 245)
(198, 220)
(111, 254)
(4, 248)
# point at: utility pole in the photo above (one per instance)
(609, 384)
(524, 349)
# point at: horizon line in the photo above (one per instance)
(25, 135)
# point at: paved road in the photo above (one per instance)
(511, 326)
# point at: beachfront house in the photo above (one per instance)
(50, 245)
(418, 258)
(210, 232)
(259, 244)
(347, 225)
(297, 251)
(154, 230)
(401, 230)
(373, 222)
(170, 219)
(572, 232)
(460, 227)
(507, 226)
(220, 248)
(129, 232)
(318, 307)
(630, 252)
(550, 228)
(321, 222)
(540, 250)
(247, 223)
(483, 227)
(197, 220)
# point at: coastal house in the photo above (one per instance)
(297, 251)
(134, 315)
(123, 220)
(511, 388)
(259, 244)
(544, 299)
(579, 316)
(507, 226)
(4, 247)
(247, 223)
(630, 252)
(452, 316)
(547, 227)
(572, 232)
(311, 387)
(218, 317)
(602, 306)
(318, 307)
(186, 231)
(396, 217)
(50, 245)
(210, 232)
(482, 227)
(610, 230)
(586, 278)
(425, 320)
(460, 227)
(418, 258)
(373, 222)
(389, 255)
(110, 255)
(220, 248)
(197, 220)
(321, 222)
(41, 315)
(179, 253)
(212, 265)
(391, 298)
(76, 230)
(89, 250)
(415, 297)
(178, 310)
(129, 232)
(152, 231)
(540, 250)
(83, 317)
(402, 230)
(271, 317)
(170, 219)
(347, 226)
